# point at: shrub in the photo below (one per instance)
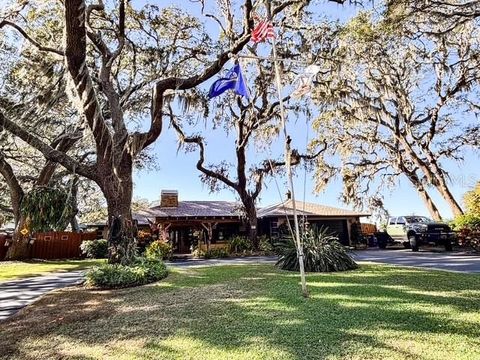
(468, 227)
(467, 221)
(265, 246)
(322, 253)
(198, 253)
(112, 276)
(240, 244)
(159, 250)
(155, 269)
(215, 254)
(472, 201)
(94, 249)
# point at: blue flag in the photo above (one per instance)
(232, 81)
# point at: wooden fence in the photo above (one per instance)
(59, 245)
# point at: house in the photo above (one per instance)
(185, 223)
(338, 221)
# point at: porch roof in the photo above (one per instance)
(306, 209)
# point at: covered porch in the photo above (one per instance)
(185, 235)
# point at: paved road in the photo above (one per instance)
(443, 261)
(460, 262)
(227, 261)
(16, 294)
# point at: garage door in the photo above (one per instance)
(336, 227)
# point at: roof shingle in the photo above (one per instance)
(197, 208)
(305, 208)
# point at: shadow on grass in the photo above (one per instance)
(257, 311)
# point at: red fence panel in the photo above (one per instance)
(59, 245)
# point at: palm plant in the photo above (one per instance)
(322, 252)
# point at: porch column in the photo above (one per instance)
(164, 230)
(209, 227)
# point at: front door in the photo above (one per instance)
(184, 243)
(180, 240)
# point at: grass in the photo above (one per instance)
(10, 270)
(256, 312)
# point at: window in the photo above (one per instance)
(401, 221)
(274, 228)
(392, 221)
(418, 219)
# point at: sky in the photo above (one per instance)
(176, 170)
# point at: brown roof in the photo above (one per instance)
(232, 209)
(196, 209)
(307, 209)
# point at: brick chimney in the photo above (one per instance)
(169, 198)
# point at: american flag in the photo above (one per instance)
(263, 31)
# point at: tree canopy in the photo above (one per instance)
(397, 106)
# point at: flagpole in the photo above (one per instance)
(288, 158)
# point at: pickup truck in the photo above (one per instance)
(415, 231)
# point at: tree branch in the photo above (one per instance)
(193, 81)
(16, 191)
(30, 39)
(47, 151)
(63, 143)
(75, 52)
(197, 140)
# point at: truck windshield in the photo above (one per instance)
(418, 219)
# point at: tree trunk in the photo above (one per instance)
(429, 204)
(122, 233)
(253, 232)
(121, 230)
(449, 198)
(434, 176)
(74, 194)
(252, 221)
(425, 196)
(19, 249)
(74, 224)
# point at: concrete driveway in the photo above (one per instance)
(16, 294)
(459, 262)
(248, 260)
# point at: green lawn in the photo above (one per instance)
(256, 312)
(10, 270)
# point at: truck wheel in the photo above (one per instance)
(448, 245)
(406, 244)
(413, 242)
